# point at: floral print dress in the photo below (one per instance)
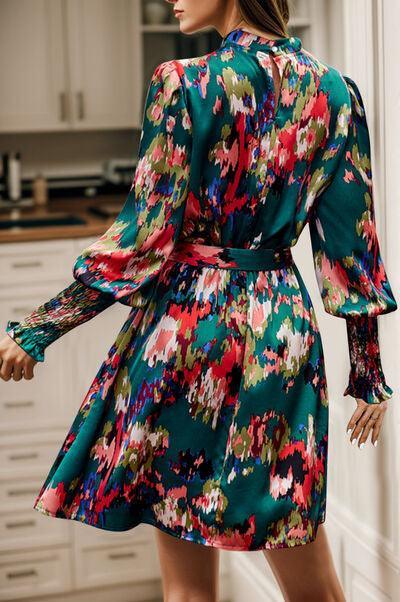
(209, 416)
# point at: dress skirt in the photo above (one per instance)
(209, 416)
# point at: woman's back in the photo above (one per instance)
(257, 165)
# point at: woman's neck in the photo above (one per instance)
(246, 27)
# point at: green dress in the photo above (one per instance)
(209, 416)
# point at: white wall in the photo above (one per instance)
(363, 485)
(364, 491)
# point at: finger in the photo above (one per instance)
(368, 428)
(377, 428)
(361, 422)
(373, 413)
(17, 371)
(361, 406)
(357, 421)
(6, 369)
(28, 371)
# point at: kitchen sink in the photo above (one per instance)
(39, 222)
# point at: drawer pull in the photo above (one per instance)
(117, 555)
(22, 523)
(63, 106)
(81, 105)
(27, 264)
(29, 456)
(22, 491)
(19, 404)
(18, 574)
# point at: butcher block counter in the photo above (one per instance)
(78, 208)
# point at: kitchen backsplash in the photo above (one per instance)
(70, 154)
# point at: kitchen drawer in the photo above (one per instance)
(122, 563)
(30, 529)
(35, 573)
(27, 458)
(25, 263)
(25, 405)
(39, 402)
(20, 494)
(87, 535)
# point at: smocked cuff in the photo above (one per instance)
(21, 336)
(366, 379)
(371, 393)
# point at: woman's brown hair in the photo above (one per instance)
(268, 15)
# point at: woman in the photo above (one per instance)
(209, 417)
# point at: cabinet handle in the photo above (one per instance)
(26, 264)
(22, 523)
(17, 492)
(81, 105)
(18, 574)
(27, 456)
(116, 555)
(63, 106)
(18, 404)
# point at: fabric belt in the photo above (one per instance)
(234, 258)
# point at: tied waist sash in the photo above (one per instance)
(234, 258)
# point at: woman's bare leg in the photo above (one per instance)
(190, 571)
(306, 573)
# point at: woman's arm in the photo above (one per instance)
(71, 307)
(349, 267)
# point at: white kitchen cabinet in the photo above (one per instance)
(72, 65)
(117, 563)
(69, 65)
(42, 557)
(27, 263)
(19, 528)
(25, 573)
(39, 403)
(88, 345)
(103, 49)
(32, 66)
(21, 454)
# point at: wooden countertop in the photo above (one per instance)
(94, 225)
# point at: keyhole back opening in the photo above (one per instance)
(278, 67)
(276, 76)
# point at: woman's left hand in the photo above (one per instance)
(15, 363)
(367, 417)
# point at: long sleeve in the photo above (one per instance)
(350, 272)
(123, 263)
(72, 306)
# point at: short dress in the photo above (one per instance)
(208, 418)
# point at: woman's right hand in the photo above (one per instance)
(367, 418)
(14, 361)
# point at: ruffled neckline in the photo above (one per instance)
(248, 39)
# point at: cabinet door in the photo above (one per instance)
(103, 50)
(28, 405)
(87, 347)
(32, 72)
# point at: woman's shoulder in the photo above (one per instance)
(332, 80)
(187, 71)
(195, 75)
